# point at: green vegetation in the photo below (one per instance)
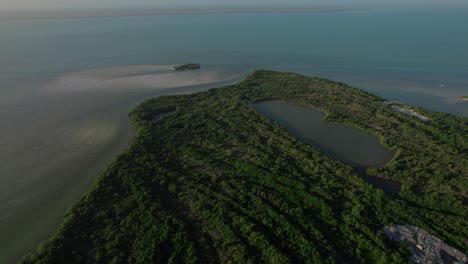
(465, 97)
(189, 66)
(218, 182)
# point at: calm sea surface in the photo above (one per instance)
(66, 85)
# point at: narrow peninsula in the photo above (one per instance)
(216, 181)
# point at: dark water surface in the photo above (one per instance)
(341, 142)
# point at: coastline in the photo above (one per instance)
(79, 143)
(142, 116)
(68, 14)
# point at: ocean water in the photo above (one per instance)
(66, 85)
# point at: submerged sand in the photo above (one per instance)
(135, 78)
(62, 134)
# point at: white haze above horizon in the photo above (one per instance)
(116, 4)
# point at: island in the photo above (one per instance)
(188, 66)
(464, 98)
(209, 179)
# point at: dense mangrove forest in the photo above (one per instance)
(217, 181)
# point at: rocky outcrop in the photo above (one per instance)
(425, 247)
(397, 107)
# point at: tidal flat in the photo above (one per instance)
(60, 136)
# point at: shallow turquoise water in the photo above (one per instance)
(53, 142)
(381, 50)
(396, 53)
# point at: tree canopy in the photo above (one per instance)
(216, 181)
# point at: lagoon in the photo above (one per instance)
(340, 142)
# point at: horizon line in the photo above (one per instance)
(76, 13)
(39, 14)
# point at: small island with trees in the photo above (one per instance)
(188, 66)
(464, 98)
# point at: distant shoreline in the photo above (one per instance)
(68, 14)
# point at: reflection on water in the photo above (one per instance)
(340, 142)
(56, 138)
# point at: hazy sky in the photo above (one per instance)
(26, 4)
